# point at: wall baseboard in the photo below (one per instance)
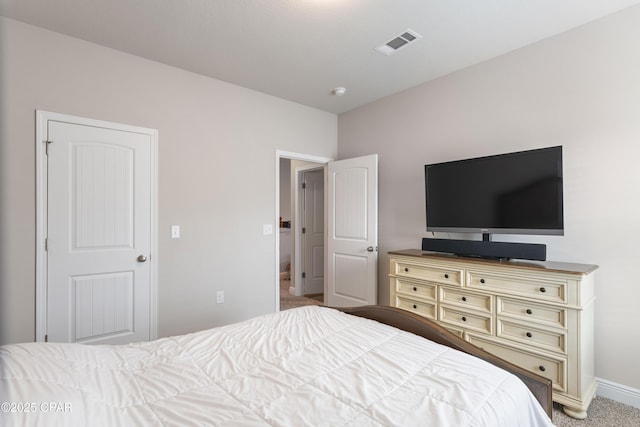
(618, 392)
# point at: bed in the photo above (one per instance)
(309, 366)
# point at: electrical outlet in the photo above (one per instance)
(175, 231)
(219, 297)
(267, 229)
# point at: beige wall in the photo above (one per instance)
(581, 90)
(217, 148)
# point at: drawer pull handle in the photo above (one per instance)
(464, 298)
(464, 319)
(529, 335)
(482, 281)
(406, 269)
(529, 311)
(415, 306)
(446, 276)
(415, 289)
(543, 290)
(542, 368)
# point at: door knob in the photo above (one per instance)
(370, 249)
(141, 258)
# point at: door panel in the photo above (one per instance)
(99, 222)
(101, 196)
(350, 187)
(103, 305)
(351, 284)
(352, 237)
(313, 238)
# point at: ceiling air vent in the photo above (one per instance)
(402, 41)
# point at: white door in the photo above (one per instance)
(313, 232)
(99, 234)
(352, 235)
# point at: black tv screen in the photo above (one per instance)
(514, 193)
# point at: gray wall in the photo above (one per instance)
(580, 90)
(217, 159)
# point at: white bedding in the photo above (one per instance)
(309, 366)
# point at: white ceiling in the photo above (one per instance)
(301, 49)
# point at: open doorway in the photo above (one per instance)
(351, 213)
(291, 169)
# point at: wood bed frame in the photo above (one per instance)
(410, 322)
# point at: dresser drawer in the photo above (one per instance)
(465, 319)
(413, 288)
(542, 290)
(433, 274)
(546, 339)
(550, 315)
(422, 308)
(462, 298)
(551, 368)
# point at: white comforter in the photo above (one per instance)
(310, 366)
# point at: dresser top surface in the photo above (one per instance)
(563, 267)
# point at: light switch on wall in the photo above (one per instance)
(175, 231)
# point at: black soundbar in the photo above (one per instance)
(484, 249)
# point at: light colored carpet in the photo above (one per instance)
(602, 412)
(288, 301)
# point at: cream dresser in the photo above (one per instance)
(538, 315)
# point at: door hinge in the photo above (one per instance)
(304, 185)
(46, 338)
(46, 146)
(304, 230)
(46, 243)
(304, 275)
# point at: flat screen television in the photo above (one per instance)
(514, 193)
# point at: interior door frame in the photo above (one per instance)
(321, 163)
(42, 117)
